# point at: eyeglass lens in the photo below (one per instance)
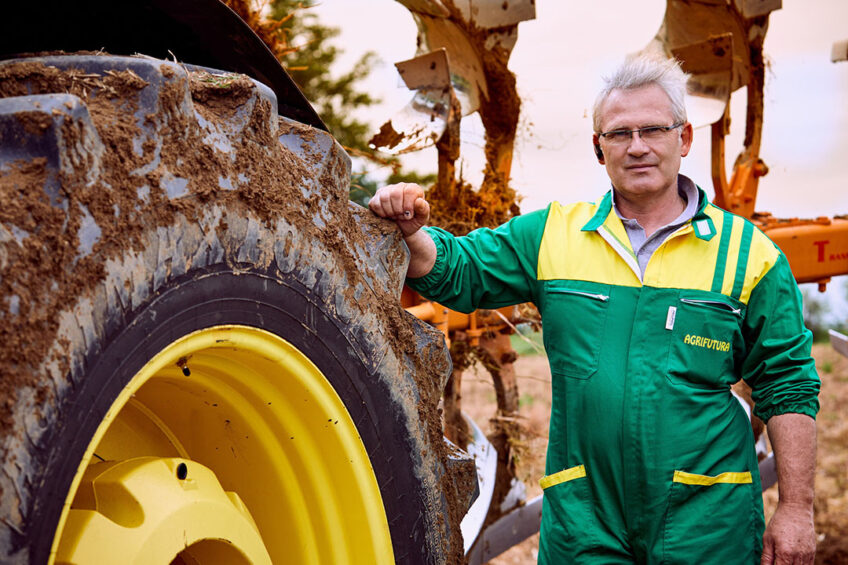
(648, 133)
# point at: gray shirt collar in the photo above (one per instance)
(644, 247)
(686, 188)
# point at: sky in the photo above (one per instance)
(559, 60)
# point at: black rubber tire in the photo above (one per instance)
(220, 256)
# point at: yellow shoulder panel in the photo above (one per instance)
(566, 252)
(687, 262)
(684, 261)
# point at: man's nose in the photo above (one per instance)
(637, 145)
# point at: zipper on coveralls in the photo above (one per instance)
(713, 304)
(601, 297)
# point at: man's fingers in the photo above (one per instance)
(375, 206)
(782, 559)
(421, 210)
(768, 552)
(386, 201)
(396, 197)
(411, 194)
(789, 538)
(389, 204)
(378, 203)
(787, 555)
(404, 203)
(396, 201)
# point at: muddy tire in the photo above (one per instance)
(181, 274)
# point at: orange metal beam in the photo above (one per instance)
(475, 325)
(816, 249)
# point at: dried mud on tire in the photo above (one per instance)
(121, 177)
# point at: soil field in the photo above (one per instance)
(831, 504)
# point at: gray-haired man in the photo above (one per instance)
(653, 302)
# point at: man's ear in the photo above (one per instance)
(599, 153)
(686, 136)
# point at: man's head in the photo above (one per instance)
(645, 92)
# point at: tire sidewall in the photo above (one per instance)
(220, 296)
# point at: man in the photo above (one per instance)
(653, 303)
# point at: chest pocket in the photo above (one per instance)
(574, 320)
(706, 340)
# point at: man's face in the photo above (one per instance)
(639, 168)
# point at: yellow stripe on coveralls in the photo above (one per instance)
(562, 476)
(732, 257)
(706, 480)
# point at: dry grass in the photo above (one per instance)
(831, 477)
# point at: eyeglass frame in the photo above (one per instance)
(665, 129)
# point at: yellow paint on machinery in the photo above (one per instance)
(228, 446)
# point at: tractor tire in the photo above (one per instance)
(204, 356)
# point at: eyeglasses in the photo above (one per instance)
(646, 134)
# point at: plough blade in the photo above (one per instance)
(423, 120)
(754, 8)
(839, 342)
(712, 38)
(480, 13)
(445, 26)
(426, 71)
(710, 65)
(497, 13)
(430, 7)
(466, 68)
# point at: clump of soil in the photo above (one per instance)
(387, 137)
(465, 210)
(220, 94)
(35, 123)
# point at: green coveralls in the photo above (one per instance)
(650, 457)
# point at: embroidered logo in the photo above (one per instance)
(706, 343)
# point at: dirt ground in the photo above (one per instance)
(831, 504)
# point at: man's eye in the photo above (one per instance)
(619, 135)
(652, 131)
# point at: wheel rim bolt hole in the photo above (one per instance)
(182, 471)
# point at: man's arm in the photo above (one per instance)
(790, 536)
(785, 387)
(487, 268)
(422, 254)
(405, 204)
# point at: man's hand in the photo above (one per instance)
(404, 203)
(790, 537)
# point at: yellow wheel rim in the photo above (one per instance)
(229, 446)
